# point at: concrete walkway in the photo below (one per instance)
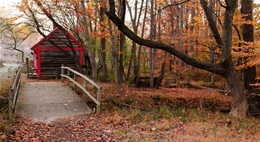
(47, 101)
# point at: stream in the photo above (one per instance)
(8, 70)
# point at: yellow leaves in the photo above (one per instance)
(104, 23)
(89, 4)
(197, 19)
(160, 3)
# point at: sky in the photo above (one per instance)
(10, 3)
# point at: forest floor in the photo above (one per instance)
(143, 114)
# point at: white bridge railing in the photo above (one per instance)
(82, 87)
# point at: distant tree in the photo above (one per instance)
(13, 34)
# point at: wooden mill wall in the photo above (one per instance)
(51, 61)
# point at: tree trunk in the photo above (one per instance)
(249, 73)
(181, 33)
(114, 53)
(140, 47)
(103, 48)
(122, 41)
(239, 106)
(158, 81)
(21, 53)
(151, 61)
(192, 31)
(135, 20)
(89, 50)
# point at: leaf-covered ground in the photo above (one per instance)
(134, 126)
(144, 114)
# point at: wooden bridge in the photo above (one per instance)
(47, 101)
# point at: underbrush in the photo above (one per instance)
(179, 124)
(5, 83)
(156, 108)
(163, 110)
(6, 124)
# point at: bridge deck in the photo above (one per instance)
(46, 101)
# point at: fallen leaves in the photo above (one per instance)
(126, 117)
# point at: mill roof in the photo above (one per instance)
(59, 38)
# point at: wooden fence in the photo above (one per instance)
(13, 93)
(76, 74)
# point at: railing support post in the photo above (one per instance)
(75, 77)
(99, 100)
(68, 72)
(85, 86)
(62, 73)
(10, 102)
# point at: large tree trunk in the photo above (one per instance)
(239, 106)
(249, 73)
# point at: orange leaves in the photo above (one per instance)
(89, 11)
(79, 11)
(93, 34)
(80, 28)
(17, 133)
(101, 34)
(104, 34)
(56, 1)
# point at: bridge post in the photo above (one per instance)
(85, 86)
(75, 78)
(10, 102)
(99, 100)
(68, 72)
(62, 73)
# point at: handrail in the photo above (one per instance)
(13, 93)
(83, 88)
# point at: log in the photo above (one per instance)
(171, 82)
(145, 81)
(202, 87)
